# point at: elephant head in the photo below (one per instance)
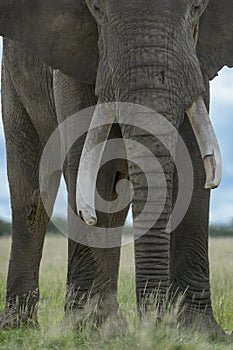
(135, 42)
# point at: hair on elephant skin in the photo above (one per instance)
(157, 54)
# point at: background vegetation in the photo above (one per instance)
(216, 230)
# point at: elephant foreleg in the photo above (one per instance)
(92, 269)
(189, 244)
(29, 219)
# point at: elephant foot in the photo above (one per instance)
(20, 312)
(12, 319)
(103, 317)
(203, 323)
(114, 324)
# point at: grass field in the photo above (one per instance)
(168, 336)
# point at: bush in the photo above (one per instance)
(221, 231)
(5, 228)
(214, 230)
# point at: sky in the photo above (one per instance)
(222, 117)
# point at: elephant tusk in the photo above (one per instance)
(207, 142)
(90, 162)
(196, 34)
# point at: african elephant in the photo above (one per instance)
(146, 55)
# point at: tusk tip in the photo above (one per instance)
(89, 218)
(211, 185)
(213, 171)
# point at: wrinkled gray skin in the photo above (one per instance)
(147, 56)
(35, 99)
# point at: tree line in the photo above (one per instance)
(216, 230)
(6, 228)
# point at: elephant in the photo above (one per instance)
(157, 54)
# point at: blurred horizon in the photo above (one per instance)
(221, 210)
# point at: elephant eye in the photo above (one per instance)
(197, 8)
(96, 8)
(196, 5)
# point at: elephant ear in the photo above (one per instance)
(215, 44)
(62, 33)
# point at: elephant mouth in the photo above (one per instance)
(202, 128)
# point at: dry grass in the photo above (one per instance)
(221, 262)
(139, 336)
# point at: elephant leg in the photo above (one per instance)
(29, 219)
(92, 271)
(189, 263)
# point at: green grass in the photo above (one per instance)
(146, 335)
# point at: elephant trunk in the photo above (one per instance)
(165, 78)
(151, 173)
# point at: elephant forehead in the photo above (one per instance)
(177, 7)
